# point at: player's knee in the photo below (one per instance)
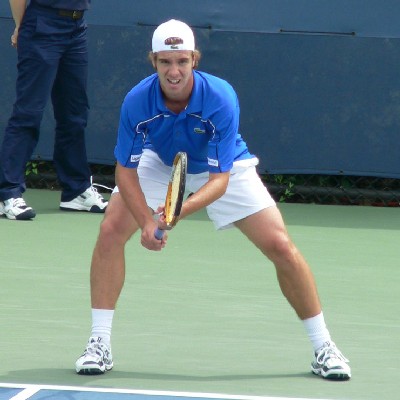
(113, 233)
(281, 248)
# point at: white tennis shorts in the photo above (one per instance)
(245, 195)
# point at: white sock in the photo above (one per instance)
(317, 330)
(102, 324)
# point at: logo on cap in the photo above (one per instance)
(173, 42)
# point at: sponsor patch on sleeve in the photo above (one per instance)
(212, 162)
(135, 157)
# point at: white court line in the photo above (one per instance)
(36, 388)
(26, 393)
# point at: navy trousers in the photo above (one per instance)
(52, 62)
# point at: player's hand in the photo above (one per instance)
(149, 241)
(159, 216)
(162, 224)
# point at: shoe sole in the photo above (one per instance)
(93, 209)
(333, 376)
(24, 216)
(92, 370)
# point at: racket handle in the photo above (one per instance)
(158, 233)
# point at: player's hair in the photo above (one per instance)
(196, 56)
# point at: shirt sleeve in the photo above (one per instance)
(130, 139)
(225, 126)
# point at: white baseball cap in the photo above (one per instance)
(173, 35)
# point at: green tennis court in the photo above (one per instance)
(205, 315)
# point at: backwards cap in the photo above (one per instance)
(173, 35)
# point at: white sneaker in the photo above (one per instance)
(16, 209)
(96, 359)
(90, 200)
(330, 363)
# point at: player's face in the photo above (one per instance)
(175, 71)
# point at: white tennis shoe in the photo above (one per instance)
(96, 359)
(330, 363)
(17, 209)
(90, 200)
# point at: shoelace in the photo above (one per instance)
(102, 186)
(329, 352)
(95, 192)
(100, 350)
(19, 202)
(94, 348)
(92, 184)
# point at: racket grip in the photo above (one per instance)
(158, 234)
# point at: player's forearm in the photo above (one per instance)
(128, 184)
(18, 10)
(207, 194)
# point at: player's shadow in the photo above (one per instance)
(70, 378)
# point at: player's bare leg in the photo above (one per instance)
(107, 273)
(267, 231)
(107, 278)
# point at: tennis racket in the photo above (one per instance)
(175, 193)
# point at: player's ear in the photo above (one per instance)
(153, 59)
(193, 60)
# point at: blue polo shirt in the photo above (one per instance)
(207, 130)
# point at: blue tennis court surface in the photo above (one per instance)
(9, 391)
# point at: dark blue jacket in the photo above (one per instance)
(65, 4)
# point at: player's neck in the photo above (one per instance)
(176, 106)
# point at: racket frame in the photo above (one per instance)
(171, 220)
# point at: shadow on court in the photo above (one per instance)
(55, 376)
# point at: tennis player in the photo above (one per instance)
(182, 109)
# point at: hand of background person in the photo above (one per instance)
(14, 38)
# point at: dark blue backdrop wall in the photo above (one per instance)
(318, 80)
